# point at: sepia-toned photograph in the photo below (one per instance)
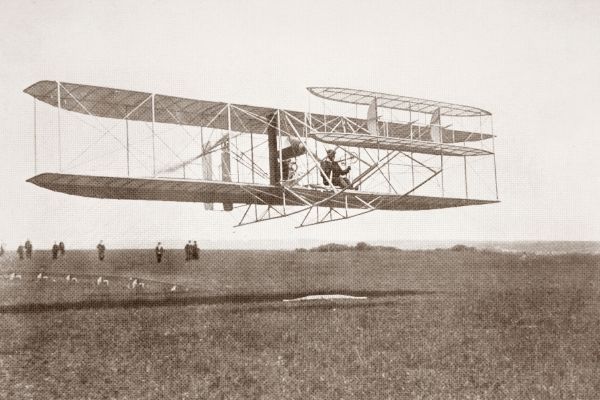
(300, 199)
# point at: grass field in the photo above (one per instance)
(438, 324)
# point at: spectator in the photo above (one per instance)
(195, 251)
(188, 250)
(159, 252)
(54, 251)
(28, 249)
(101, 250)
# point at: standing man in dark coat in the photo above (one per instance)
(188, 250)
(159, 252)
(54, 251)
(28, 249)
(195, 254)
(20, 252)
(101, 249)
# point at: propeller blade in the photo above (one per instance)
(209, 148)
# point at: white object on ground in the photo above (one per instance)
(101, 281)
(135, 283)
(328, 297)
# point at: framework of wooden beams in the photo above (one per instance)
(303, 127)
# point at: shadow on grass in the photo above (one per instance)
(193, 298)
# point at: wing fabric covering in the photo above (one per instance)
(137, 106)
(228, 192)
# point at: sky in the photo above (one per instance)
(533, 64)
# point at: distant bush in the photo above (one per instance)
(462, 247)
(386, 248)
(360, 246)
(331, 247)
(301, 250)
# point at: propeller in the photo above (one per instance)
(207, 150)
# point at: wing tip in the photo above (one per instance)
(36, 178)
(30, 89)
(43, 178)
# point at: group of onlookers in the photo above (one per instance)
(58, 249)
(191, 251)
(26, 251)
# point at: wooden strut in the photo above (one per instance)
(153, 140)
(34, 136)
(59, 133)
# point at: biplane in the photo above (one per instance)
(271, 159)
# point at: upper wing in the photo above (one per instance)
(140, 106)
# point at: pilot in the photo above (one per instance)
(292, 169)
(332, 169)
(285, 170)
